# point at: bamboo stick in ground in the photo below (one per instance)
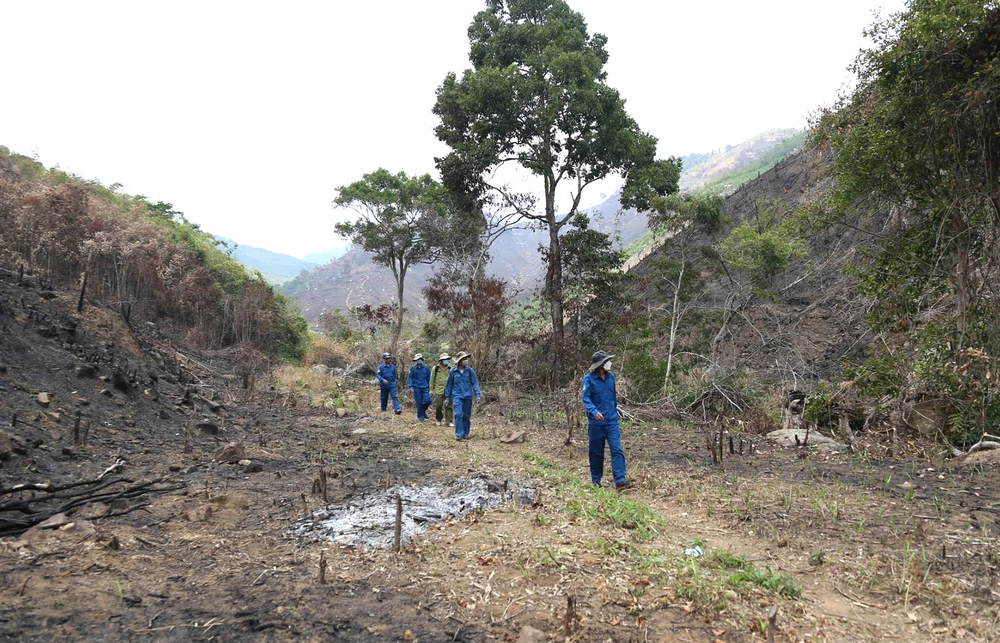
(398, 532)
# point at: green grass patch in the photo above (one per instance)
(710, 582)
(583, 501)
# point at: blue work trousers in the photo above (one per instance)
(463, 413)
(599, 433)
(386, 392)
(422, 398)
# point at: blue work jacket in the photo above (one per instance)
(461, 384)
(386, 372)
(420, 377)
(600, 396)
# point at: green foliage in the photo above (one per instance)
(595, 292)
(703, 211)
(634, 341)
(335, 325)
(537, 97)
(709, 582)
(291, 330)
(395, 214)
(822, 407)
(918, 148)
(403, 221)
(764, 246)
(646, 183)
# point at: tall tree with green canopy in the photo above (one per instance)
(402, 221)
(917, 163)
(537, 98)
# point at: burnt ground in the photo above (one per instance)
(882, 549)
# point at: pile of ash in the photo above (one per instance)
(369, 521)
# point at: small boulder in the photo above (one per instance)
(106, 392)
(341, 412)
(786, 438)
(513, 438)
(44, 398)
(231, 453)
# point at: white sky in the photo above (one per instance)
(247, 115)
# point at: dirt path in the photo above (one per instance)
(875, 560)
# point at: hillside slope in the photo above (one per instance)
(739, 163)
(811, 325)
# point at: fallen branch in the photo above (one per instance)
(992, 443)
(99, 491)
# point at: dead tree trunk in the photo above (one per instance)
(83, 292)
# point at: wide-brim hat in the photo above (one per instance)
(462, 355)
(444, 356)
(418, 356)
(598, 359)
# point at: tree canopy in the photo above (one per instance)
(402, 222)
(537, 98)
(918, 166)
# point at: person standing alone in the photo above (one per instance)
(439, 378)
(419, 383)
(387, 383)
(601, 403)
(461, 386)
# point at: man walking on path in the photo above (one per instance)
(601, 402)
(461, 386)
(387, 383)
(439, 378)
(419, 382)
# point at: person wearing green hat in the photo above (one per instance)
(439, 378)
(601, 402)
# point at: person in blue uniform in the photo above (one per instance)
(387, 383)
(601, 403)
(462, 385)
(419, 381)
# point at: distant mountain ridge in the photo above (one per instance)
(739, 163)
(277, 268)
